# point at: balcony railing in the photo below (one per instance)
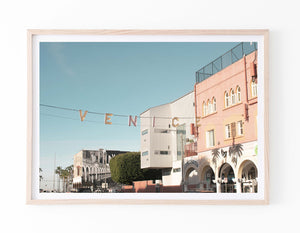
(190, 149)
(230, 57)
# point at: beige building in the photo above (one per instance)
(91, 167)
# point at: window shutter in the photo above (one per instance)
(233, 129)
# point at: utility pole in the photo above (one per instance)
(104, 152)
(182, 162)
(58, 182)
(54, 172)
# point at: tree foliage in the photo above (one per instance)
(41, 177)
(64, 174)
(126, 168)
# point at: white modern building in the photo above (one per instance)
(165, 133)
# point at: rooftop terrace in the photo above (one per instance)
(230, 57)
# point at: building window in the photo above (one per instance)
(144, 131)
(208, 107)
(161, 131)
(227, 102)
(210, 138)
(214, 104)
(254, 88)
(227, 131)
(145, 153)
(240, 128)
(238, 94)
(161, 152)
(177, 170)
(232, 95)
(164, 152)
(166, 172)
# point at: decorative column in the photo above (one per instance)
(218, 185)
(238, 185)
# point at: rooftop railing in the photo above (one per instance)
(230, 57)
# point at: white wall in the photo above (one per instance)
(181, 108)
(157, 141)
(282, 17)
(146, 123)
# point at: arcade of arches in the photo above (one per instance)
(225, 178)
(91, 174)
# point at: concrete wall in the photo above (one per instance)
(78, 163)
(156, 141)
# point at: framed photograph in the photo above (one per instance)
(148, 117)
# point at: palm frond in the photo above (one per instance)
(236, 149)
(215, 155)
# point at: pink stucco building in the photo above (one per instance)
(225, 158)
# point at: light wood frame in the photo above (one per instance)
(34, 32)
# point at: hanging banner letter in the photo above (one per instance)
(84, 115)
(175, 118)
(133, 121)
(107, 118)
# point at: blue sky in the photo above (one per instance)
(121, 78)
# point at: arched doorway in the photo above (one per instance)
(192, 180)
(227, 179)
(207, 180)
(248, 177)
(83, 175)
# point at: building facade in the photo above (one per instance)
(226, 130)
(91, 167)
(165, 131)
(206, 141)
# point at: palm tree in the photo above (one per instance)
(69, 170)
(64, 175)
(236, 149)
(41, 177)
(215, 155)
(58, 171)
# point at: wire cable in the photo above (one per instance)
(101, 113)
